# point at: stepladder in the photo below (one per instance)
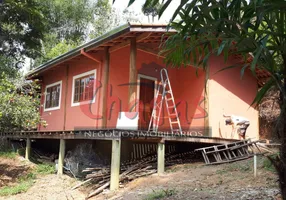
(230, 152)
(164, 98)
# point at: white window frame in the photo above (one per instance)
(60, 97)
(73, 85)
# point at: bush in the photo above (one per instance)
(19, 104)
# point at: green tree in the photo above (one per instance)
(151, 9)
(9, 66)
(71, 23)
(19, 104)
(22, 27)
(253, 29)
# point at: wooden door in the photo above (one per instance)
(146, 97)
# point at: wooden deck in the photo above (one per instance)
(111, 134)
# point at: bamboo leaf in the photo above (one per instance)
(261, 93)
(221, 47)
(130, 2)
(164, 7)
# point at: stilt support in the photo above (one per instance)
(28, 149)
(161, 158)
(61, 157)
(115, 165)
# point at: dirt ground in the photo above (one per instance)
(11, 170)
(188, 181)
(197, 181)
(45, 187)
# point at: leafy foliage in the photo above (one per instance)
(70, 19)
(59, 49)
(19, 105)
(255, 30)
(21, 28)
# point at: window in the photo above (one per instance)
(53, 96)
(83, 87)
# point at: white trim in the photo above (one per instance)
(73, 84)
(138, 90)
(60, 97)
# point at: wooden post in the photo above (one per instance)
(61, 157)
(105, 85)
(66, 96)
(206, 103)
(115, 165)
(28, 149)
(132, 75)
(161, 158)
(255, 165)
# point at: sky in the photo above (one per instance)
(120, 5)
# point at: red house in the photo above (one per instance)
(89, 86)
(114, 78)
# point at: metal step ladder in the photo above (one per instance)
(165, 94)
(231, 152)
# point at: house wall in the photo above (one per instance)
(85, 115)
(77, 117)
(230, 94)
(54, 118)
(188, 89)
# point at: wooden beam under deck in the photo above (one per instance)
(111, 134)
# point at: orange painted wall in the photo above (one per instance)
(191, 88)
(230, 94)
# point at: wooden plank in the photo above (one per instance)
(132, 75)
(106, 63)
(139, 38)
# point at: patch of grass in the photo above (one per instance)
(24, 184)
(45, 169)
(267, 164)
(160, 194)
(27, 181)
(245, 166)
(19, 188)
(8, 154)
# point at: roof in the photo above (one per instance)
(117, 36)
